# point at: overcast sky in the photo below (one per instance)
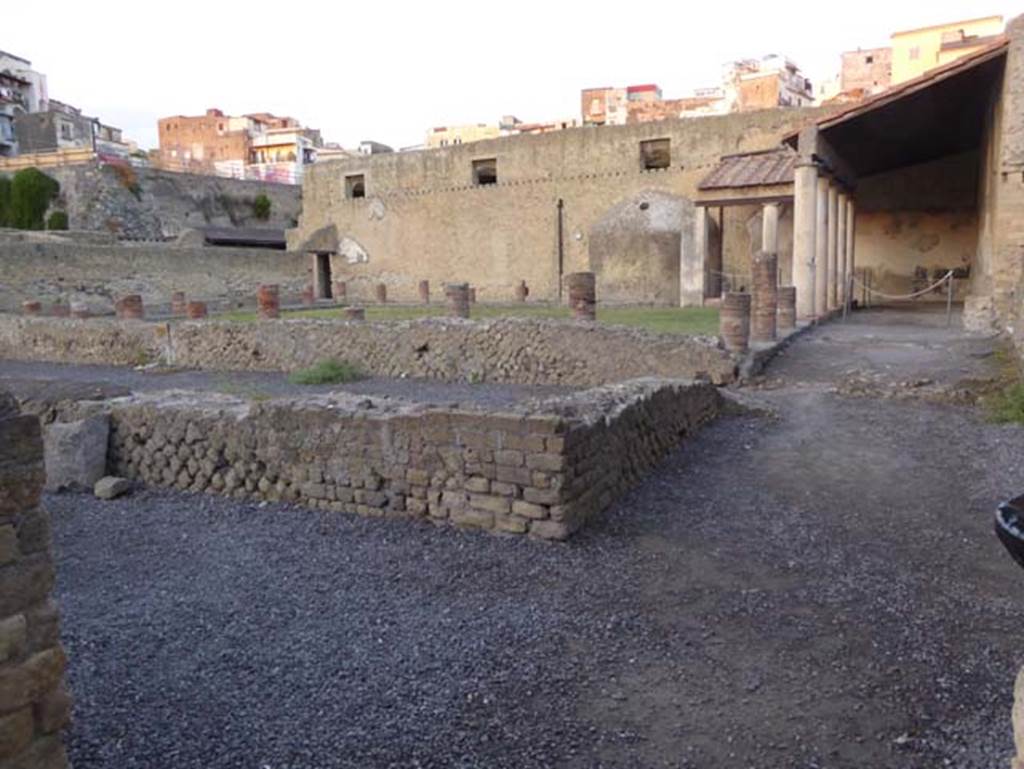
(388, 71)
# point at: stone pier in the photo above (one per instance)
(457, 296)
(582, 287)
(268, 302)
(734, 321)
(765, 299)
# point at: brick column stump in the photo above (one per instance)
(522, 291)
(381, 291)
(765, 299)
(457, 296)
(787, 308)
(195, 310)
(130, 308)
(734, 321)
(424, 290)
(472, 294)
(34, 702)
(31, 307)
(60, 310)
(582, 295)
(308, 297)
(355, 313)
(340, 291)
(178, 303)
(268, 301)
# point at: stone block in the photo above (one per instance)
(542, 496)
(471, 518)
(8, 544)
(53, 711)
(529, 510)
(16, 731)
(25, 583)
(28, 681)
(479, 485)
(76, 453)
(511, 524)
(508, 458)
(13, 637)
(549, 462)
(111, 486)
(489, 503)
(20, 439)
(550, 530)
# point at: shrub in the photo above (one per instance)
(31, 193)
(57, 220)
(327, 372)
(261, 207)
(128, 178)
(5, 201)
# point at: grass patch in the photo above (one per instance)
(326, 372)
(1007, 405)
(666, 320)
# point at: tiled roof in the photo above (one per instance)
(751, 169)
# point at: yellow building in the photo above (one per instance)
(916, 51)
(447, 136)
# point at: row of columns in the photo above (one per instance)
(824, 217)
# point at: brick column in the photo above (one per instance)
(734, 321)
(582, 295)
(178, 303)
(424, 289)
(34, 705)
(382, 293)
(457, 295)
(130, 307)
(787, 308)
(765, 299)
(268, 301)
(195, 310)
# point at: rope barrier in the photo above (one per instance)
(947, 277)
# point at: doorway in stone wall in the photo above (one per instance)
(323, 281)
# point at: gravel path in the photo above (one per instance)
(818, 589)
(24, 378)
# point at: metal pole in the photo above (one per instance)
(949, 298)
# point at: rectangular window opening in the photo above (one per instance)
(485, 171)
(355, 186)
(655, 154)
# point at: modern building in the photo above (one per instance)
(916, 51)
(448, 136)
(765, 83)
(61, 127)
(22, 90)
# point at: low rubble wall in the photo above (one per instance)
(512, 350)
(541, 469)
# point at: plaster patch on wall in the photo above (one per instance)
(351, 251)
(376, 210)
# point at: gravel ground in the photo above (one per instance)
(821, 588)
(24, 377)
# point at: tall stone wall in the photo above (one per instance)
(34, 706)
(50, 268)
(424, 218)
(542, 470)
(149, 204)
(524, 351)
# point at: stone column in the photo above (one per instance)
(178, 302)
(804, 224)
(693, 253)
(734, 321)
(770, 228)
(765, 300)
(787, 308)
(821, 238)
(582, 295)
(195, 310)
(457, 295)
(268, 302)
(130, 307)
(842, 276)
(35, 704)
(833, 247)
(382, 293)
(851, 220)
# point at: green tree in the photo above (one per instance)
(57, 220)
(5, 201)
(31, 193)
(261, 206)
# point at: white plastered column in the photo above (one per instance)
(821, 239)
(693, 254)
(805, 209)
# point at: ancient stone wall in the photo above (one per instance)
(149, 204)
(542, 469)
(34, 706)
(52, 267)
(423, 218)
(525, 351)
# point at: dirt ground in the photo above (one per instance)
(817, 585)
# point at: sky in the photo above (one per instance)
(389, 71)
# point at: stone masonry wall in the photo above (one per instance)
(49, 267)
(524, 351)
(34, 706)
(541, 470)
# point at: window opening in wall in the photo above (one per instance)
(869, 60)
(915, 53)
(485, 171)
(355, 186)
(655, 154)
